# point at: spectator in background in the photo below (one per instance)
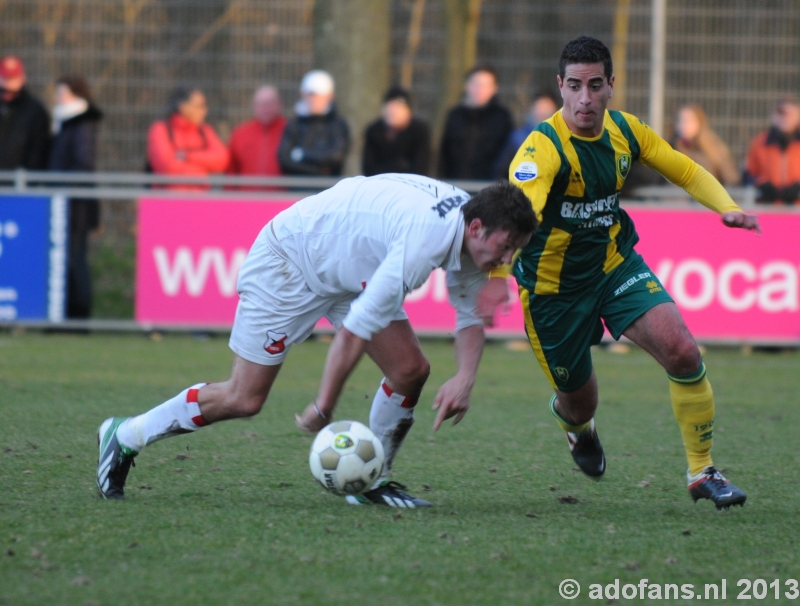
(74, 148)
(184, 144)
(254, 144)
(544, 105)
(476, 130)
(695, 138)
(24, 123)
(316, 140)
(397, 142)
(773, 160)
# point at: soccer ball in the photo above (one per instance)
(346, 457)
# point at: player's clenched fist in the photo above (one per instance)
(311, 421)
(742, 220)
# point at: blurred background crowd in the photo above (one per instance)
(446, 88)
(478, 141)
(727, 63)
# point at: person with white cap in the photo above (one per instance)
(317, 139)
(24, 122)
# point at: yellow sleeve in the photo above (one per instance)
(679, 169)
(533, 170)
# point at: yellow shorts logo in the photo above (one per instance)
(561, 372)
(653, 286)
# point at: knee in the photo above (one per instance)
(412, 374)
(251, 406)
(243, 405)
(683, 357)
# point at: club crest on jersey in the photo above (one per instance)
(562, 373)
(624, 165)
(526, 171)
(275, 343)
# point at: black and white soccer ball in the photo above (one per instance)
(346, 457)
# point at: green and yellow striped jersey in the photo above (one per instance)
(574, 183)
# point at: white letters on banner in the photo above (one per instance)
(183, 270)
(737, 285)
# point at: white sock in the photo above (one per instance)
(177, 415)
(390, 419)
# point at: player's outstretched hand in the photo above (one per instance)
(310, 421)
(452, 401)
(493, 294)
(742, 221)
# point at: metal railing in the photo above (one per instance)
(129, 186)
(119, 185)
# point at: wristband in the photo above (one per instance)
(319, 412)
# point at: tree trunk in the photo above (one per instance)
(462, 18)
(352, 41)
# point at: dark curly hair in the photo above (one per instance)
(502, 206)
(586, 50)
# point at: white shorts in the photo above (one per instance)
(276, 307)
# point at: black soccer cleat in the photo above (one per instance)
(712, 485)
(114, 462)
(587, 452)
(388, 493)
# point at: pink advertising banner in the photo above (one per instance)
(729, 285)
(188, 255)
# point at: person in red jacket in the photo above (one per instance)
(773, 160)
(254, 144)
(184, 144)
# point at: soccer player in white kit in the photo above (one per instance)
(349, 254)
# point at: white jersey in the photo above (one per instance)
(380, 238)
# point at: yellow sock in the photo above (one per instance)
(560, 420)
(693, 405)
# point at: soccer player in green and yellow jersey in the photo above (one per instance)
(581, 266)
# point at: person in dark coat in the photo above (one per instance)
(24, 123)
(74, 148)
(397, 142)
(316, 140)
(544, 105)
(476, 130)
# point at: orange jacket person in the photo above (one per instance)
(773, 159)
(184, 144)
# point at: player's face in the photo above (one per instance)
(586, 93)
(493, 250)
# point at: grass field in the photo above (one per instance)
(231, 514)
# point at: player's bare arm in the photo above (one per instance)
(500, 249)
(491, 297)
(453, 397)
(345, 352)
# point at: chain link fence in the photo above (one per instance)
(734, 57)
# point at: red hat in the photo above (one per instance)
(11, 67)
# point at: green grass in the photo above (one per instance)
(231, 514)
